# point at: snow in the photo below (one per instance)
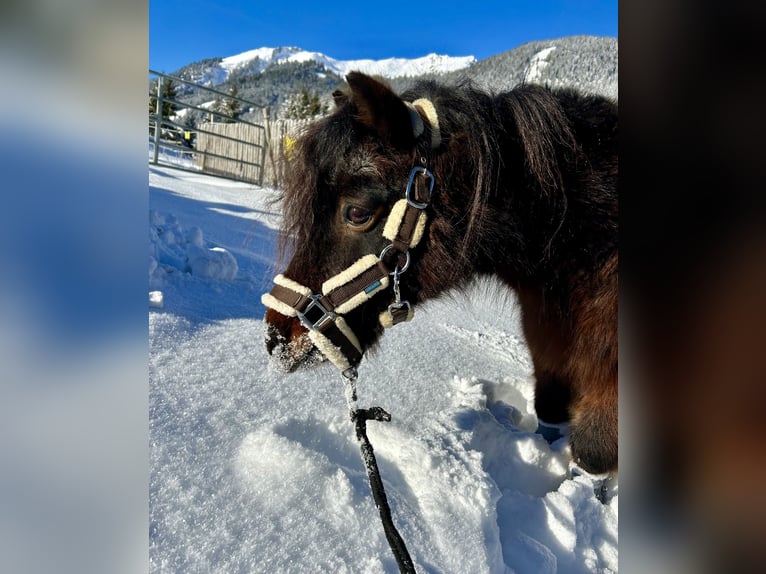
(395, 67)
(155, 297)
(266, 55)
(537, 64)
(173, 250)
(253, 470)
(388, 67)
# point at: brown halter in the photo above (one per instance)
(322, 313)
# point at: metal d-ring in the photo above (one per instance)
(407, 194)
(396, 270)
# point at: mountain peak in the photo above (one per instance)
(268, 55)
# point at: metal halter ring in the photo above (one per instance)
(396, 270)
(410, 200)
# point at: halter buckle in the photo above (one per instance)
(315, 315)
(417, 170)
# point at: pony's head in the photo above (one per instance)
(344, 212)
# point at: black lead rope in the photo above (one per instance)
(360, 417)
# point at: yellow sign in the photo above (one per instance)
(289, 145)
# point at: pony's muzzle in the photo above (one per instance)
(287, 343)
(280, 330)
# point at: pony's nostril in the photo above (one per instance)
(270, 344)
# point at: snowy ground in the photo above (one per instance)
(257, 471)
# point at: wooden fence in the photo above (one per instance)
(241, 149)
(281, 136)
(248, 148)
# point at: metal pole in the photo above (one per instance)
(158, 121)
(266, 144)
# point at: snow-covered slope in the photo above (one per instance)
(253, 470)
(588, 63)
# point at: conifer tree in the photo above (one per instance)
(302, 105)
(169, 92)
(217, 106)
(231, 106)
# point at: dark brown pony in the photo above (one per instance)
(525, 189)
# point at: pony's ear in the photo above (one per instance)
(381, 110)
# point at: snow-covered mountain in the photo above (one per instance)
(217, 71)
(267, 77)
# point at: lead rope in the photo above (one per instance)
(360, 417)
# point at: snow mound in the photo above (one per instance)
(173, 250)
(213, 263)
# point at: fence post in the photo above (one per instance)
(267, 146)
(264, 133)
(158, 121)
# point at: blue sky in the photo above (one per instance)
(184, 31)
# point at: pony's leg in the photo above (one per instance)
(592, 363)
(576, 368)
(593, 427)
(547, 346)
(592, 415)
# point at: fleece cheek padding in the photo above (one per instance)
(362, 297)
(292, 285)
(429, 110)
(361, 265)
(272, 302)
(333, 353)
(330, 351)
(394, 222)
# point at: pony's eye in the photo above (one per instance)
(356, 215)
